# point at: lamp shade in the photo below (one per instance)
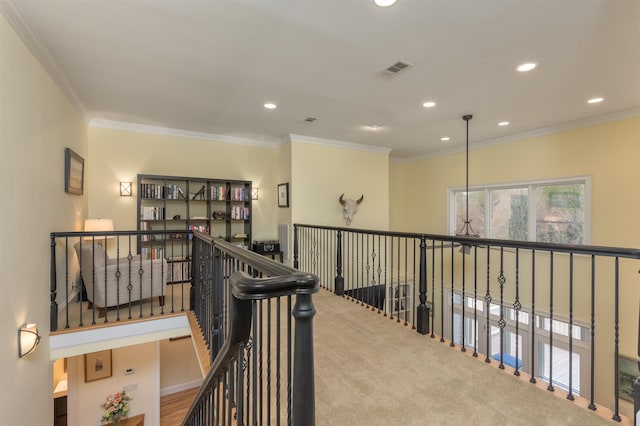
(98, 225)
(28, 339)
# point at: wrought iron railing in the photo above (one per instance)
(100, 277)
(243, 302)
(532, 308)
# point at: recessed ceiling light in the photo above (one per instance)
(526, 66)
(429, 104)
(595, 100)
(503, 123)
(385, 3)
(374, 127)
(270, 105)
(445, 139)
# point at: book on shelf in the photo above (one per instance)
(201, 228)
(218, 193)
(239, 213)
(152, 213)
(152, 252)
(239, 193)
(179, 272)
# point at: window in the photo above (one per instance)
(546, 211)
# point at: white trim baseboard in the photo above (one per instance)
(181, 387)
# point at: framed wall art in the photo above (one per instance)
(283, 195)
(73, 172)
(97, 365)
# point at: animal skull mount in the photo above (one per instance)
(349, 207)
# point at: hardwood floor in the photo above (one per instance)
(174, 407)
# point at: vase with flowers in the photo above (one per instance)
(116, 407)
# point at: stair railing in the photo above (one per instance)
(526, 306)
(238, 299)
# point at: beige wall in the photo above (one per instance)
(121, 155)
(320, 173)
(36, 123)
(84, 398)
(179, 366)
(607, 152)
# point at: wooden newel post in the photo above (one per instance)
(295, 246)
(422, 325)
(53, 323)
(304, 405)
(339, 281)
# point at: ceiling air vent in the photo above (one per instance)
(310, 119)
(395, 69)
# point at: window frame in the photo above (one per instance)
(530, 185)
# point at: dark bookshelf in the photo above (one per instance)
(219, 207)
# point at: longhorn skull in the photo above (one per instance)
(349, 207)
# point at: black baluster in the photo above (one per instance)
(464, 274)
(451, 343)
(570, 395)
(278, 351)
(532, 379)
(441, 291)
(475, 301)
(398, 301)
(295, 246)
(592, 405)
(339, 281)
(289, 364)
(53, 288)
(487, 301)
(386, 257)
(423, 309)
(616, 372)
(516, 307)
(433, 281)
(391, 279)
(502, 323)
(550, 385)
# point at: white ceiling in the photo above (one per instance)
(209, 65)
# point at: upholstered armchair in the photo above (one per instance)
(107, 280)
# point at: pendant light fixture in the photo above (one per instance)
(467, 230)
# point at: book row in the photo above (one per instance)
(159, 192)
(239, 212)
(235, 193)
(175, 192)
(151, 213)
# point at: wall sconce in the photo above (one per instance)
(254, 193)
(28, 339)
(126, 189)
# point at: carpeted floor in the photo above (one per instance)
(371, 370)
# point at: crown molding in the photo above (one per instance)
(166, 131)
(10, 10)
(543, 131)
(338, 144)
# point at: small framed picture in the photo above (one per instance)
(73, 172)
(627, 373)
(283, 195)
(97, 365)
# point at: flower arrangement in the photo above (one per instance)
(115, 407)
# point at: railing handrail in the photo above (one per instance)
(281, 280)
(62, 234)
(583, 249)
